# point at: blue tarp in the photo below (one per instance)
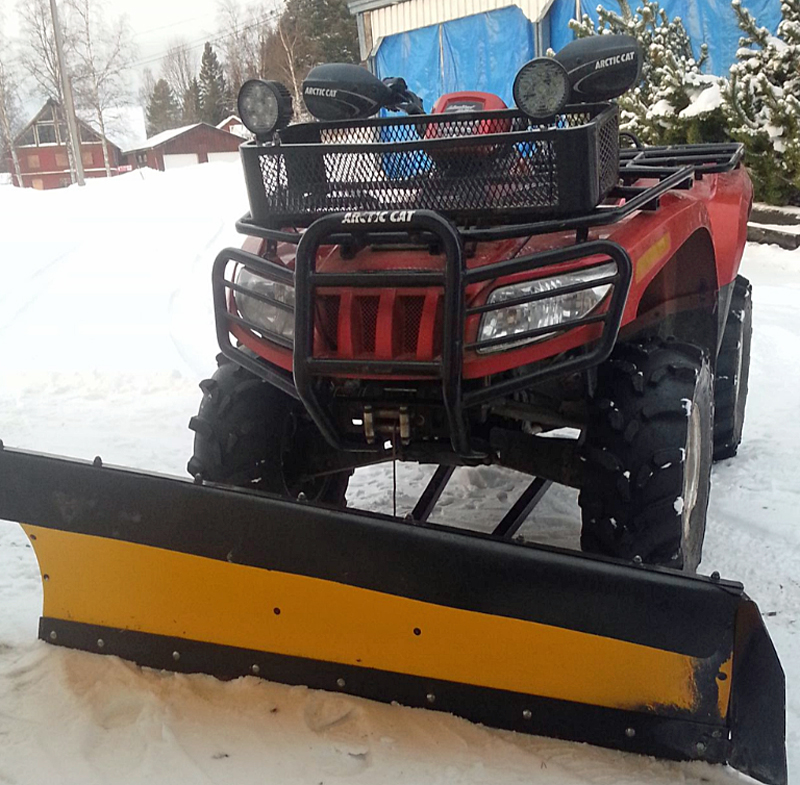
(481, 52)
(709, 21)
(485, 51)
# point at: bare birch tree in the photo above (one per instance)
(9, 101)
(235, 43)
(289, 41)
(179, 67)
(243, 29)
(9, 117)
(148, 84)
(104, 54)
(38, 51)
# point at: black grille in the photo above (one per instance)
(410, 318)
(368, 323)
(467, 166)
(328, 320)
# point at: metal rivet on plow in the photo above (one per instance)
(430, 697)
(630, 732)
(33, 536)
(53, 635)
(276, 611)
(100, 643)
(255, 669)
(301, 497)
(527, 714)
(98, 461)
(45, 577)
(637, 559)
(340, 682)
(417, 631)
(176, 655)
(715, 576)
(700, 746)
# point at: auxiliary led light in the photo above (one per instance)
(264, 107)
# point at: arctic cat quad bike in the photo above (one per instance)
(445, 288)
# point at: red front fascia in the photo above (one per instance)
(716, 204)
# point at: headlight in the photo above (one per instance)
(261, 312)
(548, 312)
(264, 107)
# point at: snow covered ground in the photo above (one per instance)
(105, 329)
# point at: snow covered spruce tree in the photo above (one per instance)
(763, 103)
(215, 101)
(162, 111)
(192, 104)
(675, 102)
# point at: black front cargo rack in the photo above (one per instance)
(642, 177)
(468, 166)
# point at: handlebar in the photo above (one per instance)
(406, 101)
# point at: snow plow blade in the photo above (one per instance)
(210, 579)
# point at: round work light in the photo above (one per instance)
(264, 107)
(542, 88)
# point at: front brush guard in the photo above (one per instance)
(539, 640)
(357, 230)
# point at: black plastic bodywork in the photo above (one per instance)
(601, 67)
(343, 91)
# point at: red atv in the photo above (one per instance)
(447, 287)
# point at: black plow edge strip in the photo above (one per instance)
(630, 731)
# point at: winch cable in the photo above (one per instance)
(394, 471)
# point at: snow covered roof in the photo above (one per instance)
(52, 109)
(125, 126)
(164, 136)
(228, 119)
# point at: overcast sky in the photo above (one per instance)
(155, 23)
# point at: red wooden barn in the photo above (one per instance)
(41, 149)
(233, 125)
(192, 144)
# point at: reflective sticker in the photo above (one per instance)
(654, 253)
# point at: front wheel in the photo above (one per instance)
(648, 451)
(249, 433)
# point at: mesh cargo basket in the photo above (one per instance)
(469, 166)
